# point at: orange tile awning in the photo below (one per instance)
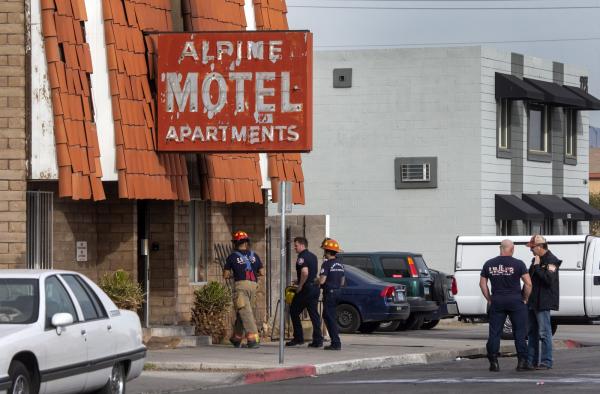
(69, 68)
(229, 15)
(143, 173)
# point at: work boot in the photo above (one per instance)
(235, 342)
(315, 344)
(331, 347)
(522, 365)
(494, 366)
(294, 343)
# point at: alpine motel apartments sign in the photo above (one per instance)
(235, 91)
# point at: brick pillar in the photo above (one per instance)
(13, 175)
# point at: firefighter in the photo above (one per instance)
(245, 267)
(332, 279)
(307, 295)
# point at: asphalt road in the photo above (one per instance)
(570, 363)
(576, 370)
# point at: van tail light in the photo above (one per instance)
(388, 292)
(413, 269)
(454, 286)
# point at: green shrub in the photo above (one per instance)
(210, 310)
(124, 292)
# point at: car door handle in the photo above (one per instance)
(596, 280)
(83, 332)
(109, 327)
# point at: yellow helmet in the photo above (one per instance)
(290, 292)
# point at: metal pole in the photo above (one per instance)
(282, 275)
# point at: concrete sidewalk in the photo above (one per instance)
(221, 365)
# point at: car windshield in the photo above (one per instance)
(19, 301)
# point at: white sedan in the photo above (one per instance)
(60, 333)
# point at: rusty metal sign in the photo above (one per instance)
(235, 91)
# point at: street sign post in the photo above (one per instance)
(285, 191)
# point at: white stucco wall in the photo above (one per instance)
(419, 102)
(43, 151)
(403, 103)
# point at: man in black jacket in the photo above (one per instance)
(544, 298)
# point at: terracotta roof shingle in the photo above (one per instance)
(143, 173)
(69, 68)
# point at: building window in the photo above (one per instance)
(538, 128)
(503, 123)
(571, 226)
(538, 133)
(39, 229)
(570, 136)
(504, 227)
(415, 172)
(198, 254)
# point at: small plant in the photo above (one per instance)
(124, 292)
(210, 310)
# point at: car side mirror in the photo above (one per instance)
(61, 320)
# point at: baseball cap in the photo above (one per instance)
(536, 239)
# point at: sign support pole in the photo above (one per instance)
(282, 198)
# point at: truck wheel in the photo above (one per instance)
(507, 332)
(348, 318)
(429, 324)
(389, 326)
(438, 291)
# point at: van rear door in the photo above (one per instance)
(592, 278)
(470, 258)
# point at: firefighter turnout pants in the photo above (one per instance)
(243, 299)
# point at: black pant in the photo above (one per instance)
(307, 299)
(330, 301)
(517, 311)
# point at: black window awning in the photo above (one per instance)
(554, 207)
(513, 88)
(592, 103)
(557, 94)
(590, 212)
(510, 207)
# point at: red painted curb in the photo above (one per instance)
(272, 375)
(571, 344)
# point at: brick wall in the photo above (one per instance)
(12, 134)
(312, 227)
(109, 227)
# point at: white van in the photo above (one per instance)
(579, 274)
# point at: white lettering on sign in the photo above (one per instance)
(189, 92)
(252, 134)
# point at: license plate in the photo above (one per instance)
(426, 290)
(398, 308)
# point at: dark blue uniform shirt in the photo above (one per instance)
(334, 270)
(504, 273)
(237, 264)
(310, 261)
